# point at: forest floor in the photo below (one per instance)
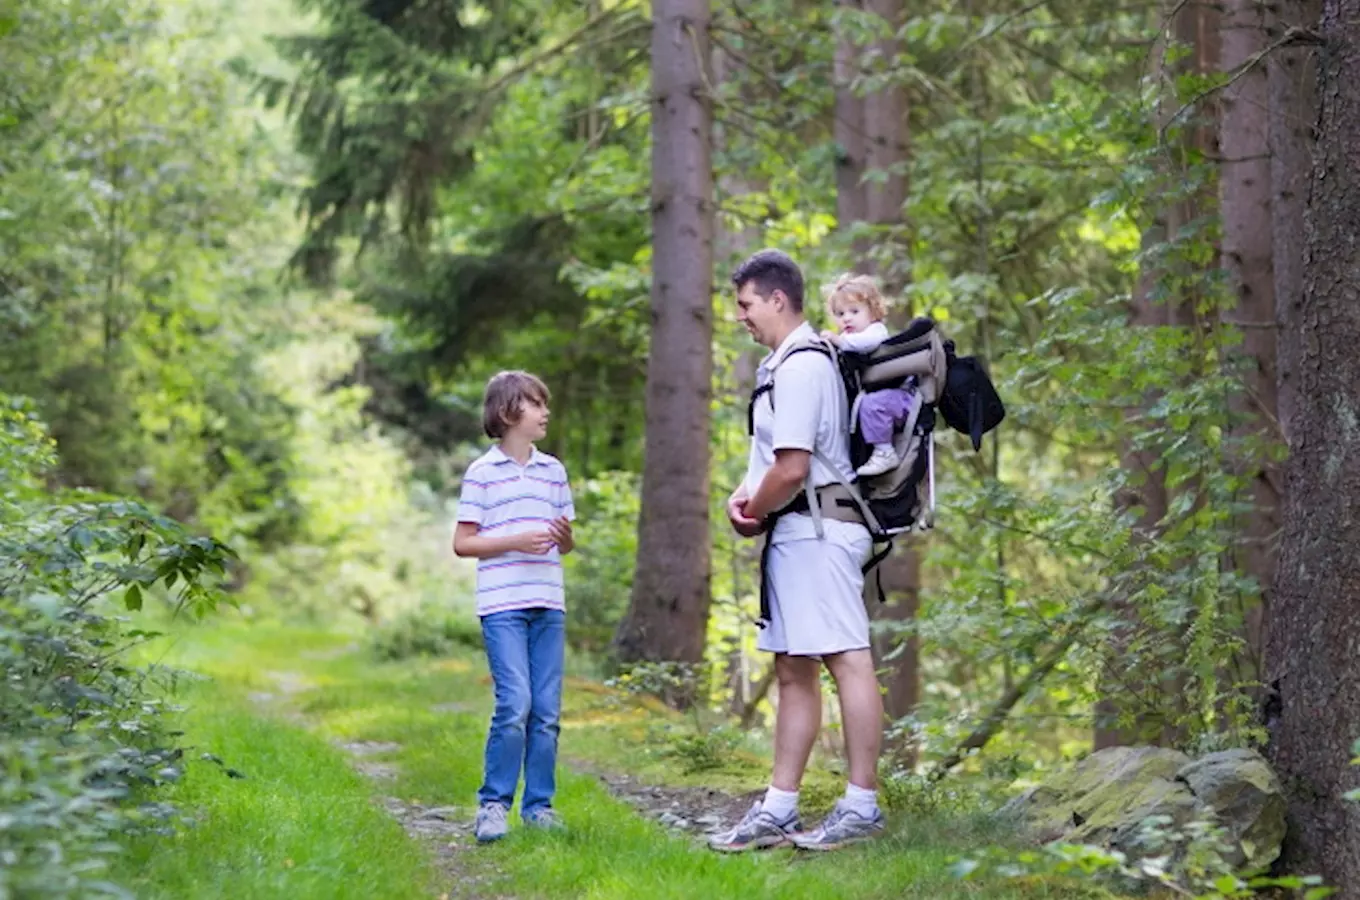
(316, 771)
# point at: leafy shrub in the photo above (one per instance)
(429, 630)
(599, 580)
(83, 734)
(1192, 861)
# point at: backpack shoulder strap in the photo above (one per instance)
(815, 345)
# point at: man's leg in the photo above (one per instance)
(774, 821)
(797, 718)
(861, 713)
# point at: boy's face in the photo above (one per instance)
(532, 424)
(851, 316)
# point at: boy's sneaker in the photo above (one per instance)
(842, 826)
(491, 824)
(883, 459)
(544, 818)
(758, 830)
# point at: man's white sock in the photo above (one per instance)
(780, 804)
(860, 800)
(885, 448)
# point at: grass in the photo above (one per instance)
(303, 825)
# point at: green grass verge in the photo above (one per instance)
(302, 825)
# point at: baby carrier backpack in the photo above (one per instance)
(901, 499)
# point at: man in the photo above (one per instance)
(814, 584)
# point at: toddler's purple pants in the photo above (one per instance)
(881, 411)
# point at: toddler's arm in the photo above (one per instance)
(865, 341)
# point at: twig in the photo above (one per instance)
(1293, 36)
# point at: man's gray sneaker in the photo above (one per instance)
(544, 818)
(491, 823)
(843, 826)
(758, 830)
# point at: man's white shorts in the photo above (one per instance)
(817, 593)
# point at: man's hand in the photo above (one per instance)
(736, 514)
(535, 542)
(560, 531)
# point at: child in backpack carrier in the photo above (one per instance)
(858, 309)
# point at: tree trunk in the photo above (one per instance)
(848, 131)
(1313, 631)
(668, 614)
(1292, 107)
(1245, 203)
(871, 136)
(1138, 705)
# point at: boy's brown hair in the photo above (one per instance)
(503, 401)
(862, 289)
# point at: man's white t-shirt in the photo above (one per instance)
(808, 412)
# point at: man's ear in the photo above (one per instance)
(779, 299)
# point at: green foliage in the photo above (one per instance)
(430, 630)
(82, 731)
(1184, 863)
(599, 579)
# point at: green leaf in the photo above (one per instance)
(133, 598)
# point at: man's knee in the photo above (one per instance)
(795, 671)
(852, 665)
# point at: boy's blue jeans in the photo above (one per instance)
(525, 650)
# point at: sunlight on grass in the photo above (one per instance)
(302, 804)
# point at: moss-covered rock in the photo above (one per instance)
(1105, 798)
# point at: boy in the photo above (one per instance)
(514, 518)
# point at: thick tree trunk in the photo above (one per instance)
(668, 614)
(1314, 629)
(1247, 258)
(1292, 107)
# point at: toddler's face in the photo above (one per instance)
(851, 316)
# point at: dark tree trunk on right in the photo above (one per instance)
(1313, 637)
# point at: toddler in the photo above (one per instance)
(858, 310)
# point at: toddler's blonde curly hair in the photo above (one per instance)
(861, 289)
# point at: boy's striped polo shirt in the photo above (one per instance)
(501, 497)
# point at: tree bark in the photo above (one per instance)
(1247, 259)
(848, 130)
(1291, 73)
(1313, 632)
(668, 614)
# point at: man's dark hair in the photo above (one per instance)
(769, 271)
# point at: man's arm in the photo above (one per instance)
(783, 480)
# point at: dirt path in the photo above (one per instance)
(446, 830)
(693, 811)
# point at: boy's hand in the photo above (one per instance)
(832, 336)
(559, 530)
(535, 542)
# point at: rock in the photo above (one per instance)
(1247, 799)
(1105, 798)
